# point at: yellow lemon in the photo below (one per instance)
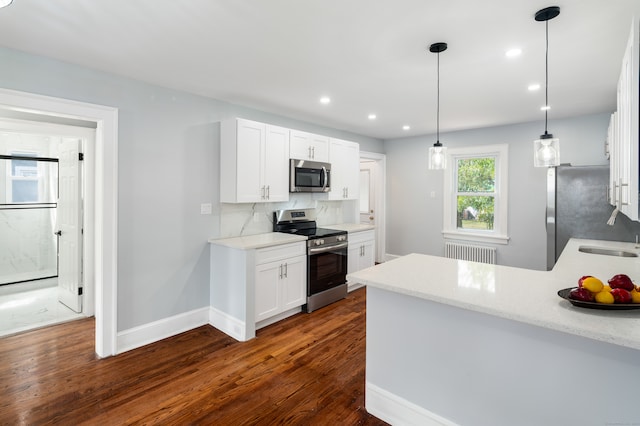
(606, 287)
(604, 297)
(635, 296)
(593, 284)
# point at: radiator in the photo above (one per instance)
(470, 252)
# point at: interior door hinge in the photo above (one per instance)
(79, 291)
(80, 156)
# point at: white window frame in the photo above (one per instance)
(499, 233)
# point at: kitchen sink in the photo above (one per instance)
(607, 251)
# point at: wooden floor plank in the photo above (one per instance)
(307, 369)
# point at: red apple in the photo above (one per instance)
(621, 295)
(582, 294)
(582, 278)
(621, 281)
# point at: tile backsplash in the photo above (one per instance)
(257, 218)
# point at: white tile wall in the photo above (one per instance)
(257, 218)
(27, 244)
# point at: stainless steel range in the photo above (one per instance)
(326, 256)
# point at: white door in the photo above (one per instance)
(367, 192)
(69, 224)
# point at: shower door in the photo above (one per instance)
(28, 201)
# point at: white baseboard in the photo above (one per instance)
(398, 411)
(353, 286)
(154, 331)
(388, 257)
(229, 325)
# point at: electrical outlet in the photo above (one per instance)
(433, 194)
(205, 208)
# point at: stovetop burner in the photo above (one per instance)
(301, 222)
(313, 233)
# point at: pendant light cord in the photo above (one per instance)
(438, 105)
(546, 76)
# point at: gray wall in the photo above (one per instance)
(414, 219)
(168, 158)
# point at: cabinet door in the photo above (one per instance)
(353, 257)
(276, 164)
(249, 142)
(624, 168)
(308, 146)
(612, 141)
(319, 148)
(368, 259)
(294, 285)
(345, 170)
(352, 171)
(267, 294)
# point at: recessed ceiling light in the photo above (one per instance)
(545, 108)
(371, 116)
(325, 100)
(406, 127)
(533, 87)
(512, 53)
(5, 3)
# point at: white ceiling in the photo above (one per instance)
(369, 56)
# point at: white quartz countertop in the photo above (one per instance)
(249, 242)
(350, 227)
(518, 294)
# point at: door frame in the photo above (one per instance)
(101, 215)
(380, 201)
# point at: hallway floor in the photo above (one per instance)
(35, 307)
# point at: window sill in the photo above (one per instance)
(476, 237)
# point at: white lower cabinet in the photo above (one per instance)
(361, 252)
(251, 288)
(280, 286)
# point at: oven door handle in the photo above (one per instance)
(326, 249)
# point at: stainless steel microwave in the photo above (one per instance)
(309, 176)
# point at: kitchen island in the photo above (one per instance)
(457, 342)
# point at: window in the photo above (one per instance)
(475, 194)
(24, 179)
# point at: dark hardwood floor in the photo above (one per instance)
(307, 369)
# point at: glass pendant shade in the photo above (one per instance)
(546, 152)
(437, 157)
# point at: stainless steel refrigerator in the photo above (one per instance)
(577, 207)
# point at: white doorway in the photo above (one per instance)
(101, 203)
(372, 197)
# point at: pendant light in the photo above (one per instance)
(546, 150)
(5, 3)
(438, 153)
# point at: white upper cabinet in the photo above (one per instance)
(307, 146)
(344, 157)
(276, 164)
(623, 134)
(254, 161)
